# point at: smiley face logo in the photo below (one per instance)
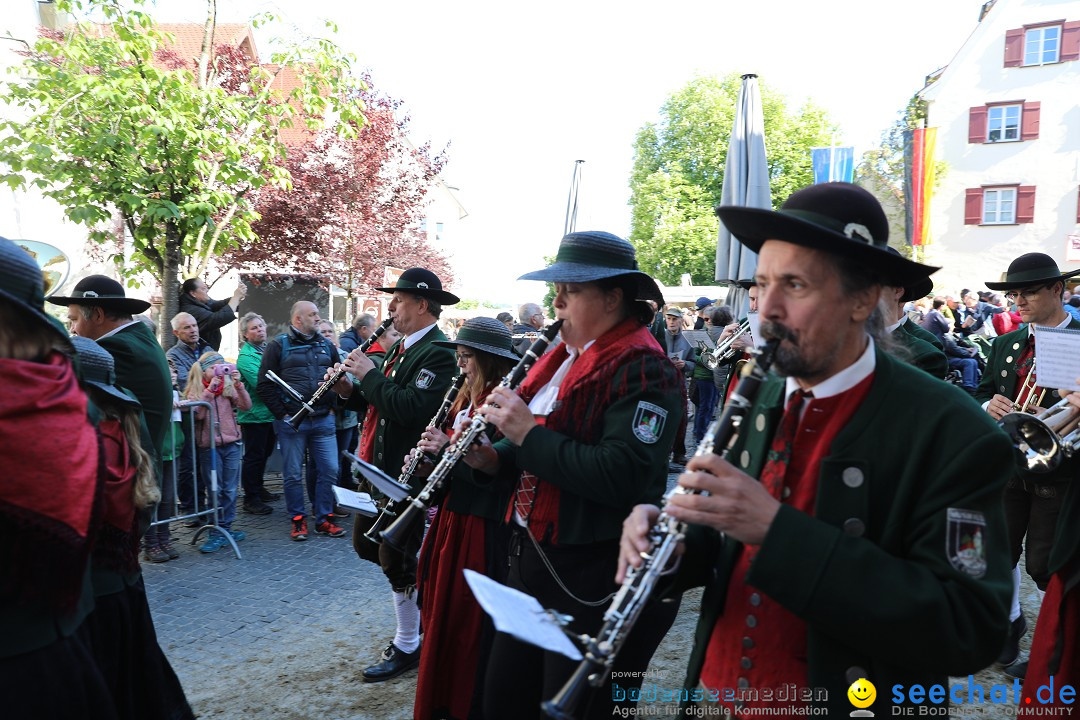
(862, 693)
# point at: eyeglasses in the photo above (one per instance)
(1027, 294)
(464, 357)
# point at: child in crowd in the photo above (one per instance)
(212, 380)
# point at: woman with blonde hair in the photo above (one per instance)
(212, 380)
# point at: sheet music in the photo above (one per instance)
(359, 502)
(1057, 357)
(520, 615)
(698, 336)
(378, 479)
(755, 328)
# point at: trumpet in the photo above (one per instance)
(1044, 440)
(306, 408)
(417, 507)
(724, 351)
(1029, 387)
(665, 534)
(389, 511)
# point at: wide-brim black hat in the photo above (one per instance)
(745, 283)
(418, 281)
(22, 283)
(593, 255)
(97, 368)
(838, 218)
(484, 334)
(1031, 269)
(104, 292)
(914, 289)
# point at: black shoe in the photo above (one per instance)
(1011, 652)
(1017, 669)
(267, 496)
(394, 663)
(257, 507)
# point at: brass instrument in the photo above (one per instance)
(417, 507)
(54, 264)
(1029, 387)
(665, 534)
(306, 408)
(712, 359)
(1044, 440)
(389, 511)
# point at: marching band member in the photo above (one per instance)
(923, 349)
(467, 532)
(1032, 501)
(830, 553)
(401, 395)
(587, 438)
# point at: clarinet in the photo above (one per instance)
(417, 507)
(665, 536)
(307, 407)
(389, 512)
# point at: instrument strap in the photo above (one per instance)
(558, 580)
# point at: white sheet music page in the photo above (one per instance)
(520, 615)
(1057, 357)
(358, 502)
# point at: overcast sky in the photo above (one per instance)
(520, 91)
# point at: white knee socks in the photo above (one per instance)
(407, 637)
(1014, 610)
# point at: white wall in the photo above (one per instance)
(973, 254)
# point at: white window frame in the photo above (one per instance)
(998, 196)
(1038, 35)
(1002, 114)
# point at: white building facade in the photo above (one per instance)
(1007, 109)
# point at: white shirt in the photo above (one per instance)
(116, 330)
(890, 328)
(413, 338)
(1063, 324)
(842, 381)
(544, 400)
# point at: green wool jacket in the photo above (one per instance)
(873, 573)
(923, 355)
(247, 364)
(1000, 379)
(141, 367)
(407, 400)
(915, 330)
(600, 483)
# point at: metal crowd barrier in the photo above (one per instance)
(209, 514)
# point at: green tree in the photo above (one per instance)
(678, 171)
(111, 121)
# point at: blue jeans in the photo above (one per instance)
(229, 458)
(707, 395)
(317, 436)
(969, 370)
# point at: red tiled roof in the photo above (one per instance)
(189, 38)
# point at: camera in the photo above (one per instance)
(223, 369)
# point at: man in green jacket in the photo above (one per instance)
(840, 543)
(1032, 500)
(98, 309)
(923, 353)
(402, 396)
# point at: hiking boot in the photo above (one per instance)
(267, 496)
(255, 506)
(213, 543)
(299, 528)
(328, 528)
(1011, 652)
(155, 554)
(170, 550)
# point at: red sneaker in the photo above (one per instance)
(328, 528)
(299, 528)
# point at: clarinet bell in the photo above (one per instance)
(396, 536)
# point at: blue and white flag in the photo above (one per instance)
(833, 164)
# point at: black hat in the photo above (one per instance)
(97, 368)
(593, 255)
(836, 217)
(1031, 269)
(916, 288)
(484, 334)
(103, 292)
(22, 282)
(418, 281)
(745, 284)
